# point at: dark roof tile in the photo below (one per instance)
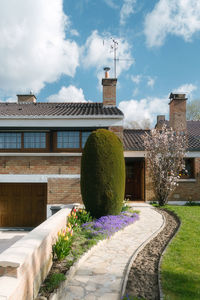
(58, 109)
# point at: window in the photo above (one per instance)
(68, 139)
(188, 171)
(85, 135)
(10, 140)
(34, 140)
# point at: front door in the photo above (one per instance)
(134, 180)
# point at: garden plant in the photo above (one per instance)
(165, 152)
(80, 234)
(103, 174)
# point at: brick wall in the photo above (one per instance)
(118, 130)
(40, 165)
(63, 191)
(182, 192)
(149, 193)
(188, 189)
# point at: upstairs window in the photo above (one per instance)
(68, 139)
(10, 140)
(85, 135)
(33, 140)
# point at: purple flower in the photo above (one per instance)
(108, 225)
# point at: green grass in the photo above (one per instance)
(180, 268)
(54, 281)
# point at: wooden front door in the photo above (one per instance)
(134, 180)
(22, 204)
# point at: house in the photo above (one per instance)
(40, 152)
(41, 146)
(138, 179)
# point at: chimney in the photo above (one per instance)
(160, 121)
(109, 89)
(29, 98)
(177, 112)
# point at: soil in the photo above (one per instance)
(143, 277)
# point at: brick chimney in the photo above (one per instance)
(109, 89)
(26, 98)
(160, 121)
(177, 112)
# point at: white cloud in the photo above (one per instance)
(74, 32)
(136, 79)
(126, 10)
(138, 113)
(97, 54)
(150, 82)
(187, 89)
(177, 17)
(33, 49)
(68, 94)
(111, 3)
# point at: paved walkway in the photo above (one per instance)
(101, 276)
(9, 237)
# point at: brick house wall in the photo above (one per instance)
(186, 189)
(62, 191)
(118, 130)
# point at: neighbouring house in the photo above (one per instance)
(138, 179)
(41, 146)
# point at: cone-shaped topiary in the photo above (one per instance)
(103, 174)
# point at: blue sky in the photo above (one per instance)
(58, 50)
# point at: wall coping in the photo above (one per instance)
(30, 259)
(35, 178)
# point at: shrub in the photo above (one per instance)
(103, 174)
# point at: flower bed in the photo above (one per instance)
(80, 234)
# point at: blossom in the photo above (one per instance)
(108, 225)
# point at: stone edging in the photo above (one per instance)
(135, 253)
(80, 261)
(161, 257)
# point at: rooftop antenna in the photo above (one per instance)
(114, 47)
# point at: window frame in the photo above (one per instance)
(75, 150)
(192, 176)
(22, 149)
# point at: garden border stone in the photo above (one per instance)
(163, 253)
(134, 255)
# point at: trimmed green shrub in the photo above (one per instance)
(103, 174)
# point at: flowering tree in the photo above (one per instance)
(165, 151)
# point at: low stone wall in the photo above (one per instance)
(25, 265)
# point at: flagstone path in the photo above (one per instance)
(101, 275)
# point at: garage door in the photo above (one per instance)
(22, 204)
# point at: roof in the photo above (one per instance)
(193, 128)
(133, 138)
(40, 109)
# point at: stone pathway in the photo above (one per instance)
(101, 276)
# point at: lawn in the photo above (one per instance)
(180, 268)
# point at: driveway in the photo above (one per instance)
(9, 237)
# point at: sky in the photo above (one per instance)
(58, 49)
